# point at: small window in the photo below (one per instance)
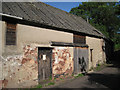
(11, 34)
(79, 39)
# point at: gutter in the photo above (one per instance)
(7, 15)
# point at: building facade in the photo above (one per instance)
(31, 52)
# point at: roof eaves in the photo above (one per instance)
(11, 16)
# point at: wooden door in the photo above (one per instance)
(80, 60)
(44, 63)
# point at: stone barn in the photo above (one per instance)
(38, 41)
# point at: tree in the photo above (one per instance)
(102, 15)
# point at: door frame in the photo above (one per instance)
(76, 64)
(45, 48)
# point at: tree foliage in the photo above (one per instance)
(103, 16)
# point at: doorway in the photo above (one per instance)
(80, 60)
(44, 63)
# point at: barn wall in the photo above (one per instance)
(20, 64)
(20, 61)
(21, 70)
(98, 55)
(0, 54)
(37, 36)
(2, 29)
(41, 36)
(1, 37)
(62, 61)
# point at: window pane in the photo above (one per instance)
(11, 34)
(79, 39)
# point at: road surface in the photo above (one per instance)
(108, 77)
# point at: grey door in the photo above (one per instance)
(80, 60)
(44, 63)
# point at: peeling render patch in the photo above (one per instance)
(62, 61)
(30, 54)
(22, 70)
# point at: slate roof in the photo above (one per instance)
(42, 13)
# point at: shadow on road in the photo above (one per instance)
(115, 59)
(110, 80)
(116, 56)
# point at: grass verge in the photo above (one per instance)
(79, 75)
(39, 86)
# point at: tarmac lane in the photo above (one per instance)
(107, 78)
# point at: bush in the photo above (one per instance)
(51, 83)
(39, 86)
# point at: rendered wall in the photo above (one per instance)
(20, 61)
(0, 37)
(62, 62)
(2, 29)
(40, 36)
(21, 70)
(0, 54)
(98, 56)
(37, 36)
